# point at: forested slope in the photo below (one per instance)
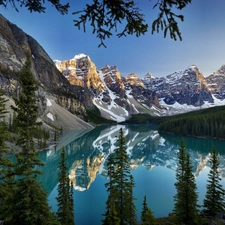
(202, 123)
(205, 123)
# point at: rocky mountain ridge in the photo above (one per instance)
(188, 90)
(182, 91)
(77, 85)
(216, 82)
(116, 97)
(15, 45)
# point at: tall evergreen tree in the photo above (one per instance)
(3, 127)
(28, 204)
(147, 216)
(120, 208)
(111, 217)
(6, 177)
(179, 198)
(65, 212)
(144, 208)
(214, 199)
(122, 182)
(71, 205)
(129, 201)
(185, 207)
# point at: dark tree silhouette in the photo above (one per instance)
(185, 207)
(147, 216)
(28, 202)
(105, 17)
(120, 208)
(214, 199)
(65, 212)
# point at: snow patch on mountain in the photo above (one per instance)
(49, 102)
(50, 116)
(79, 56)
(112, 109)
(218, 102)
(177, 108)
(107, 110)
(57, 63)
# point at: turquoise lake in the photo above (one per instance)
(153, 160)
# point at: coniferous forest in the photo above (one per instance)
(209, 123)
(204, 123)
(23, 201)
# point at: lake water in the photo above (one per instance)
(153, 160)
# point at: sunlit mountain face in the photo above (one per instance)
(87, 155)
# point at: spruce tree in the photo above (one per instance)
(129, 201)
(3, 127)
(110, 215)
(71, 205)
(179, 198)
(147, 216)
(120, 208)
(28, 203)
(185, 207)
(4, 149)
(6, 177)
(214, 199)
(65, 212)
(144, 208)
(122, 182)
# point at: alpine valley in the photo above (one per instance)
(74, 91)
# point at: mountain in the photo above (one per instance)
(186, 90)
(115, 96)
(216, 82)
(75, 85)
(85, 91)
(119, 97)
(55, 96)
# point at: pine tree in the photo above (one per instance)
(214, 199)
(144, 208)
(71, 205)
(185, 207)
(129, 201)
(120, 208)
(179, 198)
(65, 212)
(122, 182)
(191, 194)
(6, 177)
(147, 216)
(111, 217)
(3, 127)
(28, 203)
(4, 149)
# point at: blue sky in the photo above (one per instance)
(203, 43)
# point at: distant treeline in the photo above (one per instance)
(202, 123)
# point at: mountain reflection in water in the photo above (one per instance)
(87, 155)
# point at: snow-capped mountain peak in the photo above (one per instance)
(79, 56)
(115, 96)
(118, 97)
